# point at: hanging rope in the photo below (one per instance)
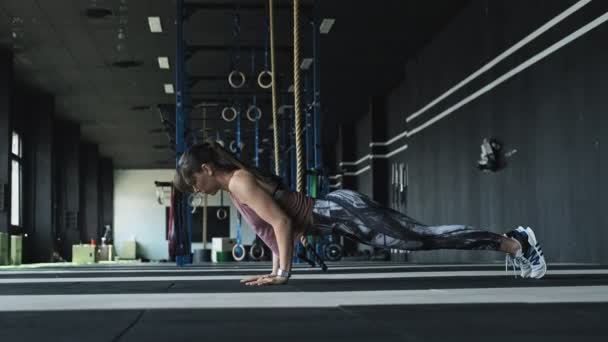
(254, 113)
(236, 78)
(266, 72)
(275, 125)
(238, 251)
(296, 94)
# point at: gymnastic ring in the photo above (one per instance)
(333, 252)
(231, 80)
(225, 114)
(261, 76)
(256, 252)
(232, 146)
(258, 113)
(238, 252)
(221, 214)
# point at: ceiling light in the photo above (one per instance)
(127, 64)
(206, 105)
(306, 63)
(283, 108)
(97, 13)
(169, 88)
(163, 62)
(326, 25)
(155, 25)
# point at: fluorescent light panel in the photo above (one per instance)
(306, 63)
(169, 88)
(326, 25)
(155, 25)
(163, 62)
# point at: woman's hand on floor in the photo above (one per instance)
(268, 281)
(257, 278)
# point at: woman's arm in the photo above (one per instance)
(245, 187)
(275, 264)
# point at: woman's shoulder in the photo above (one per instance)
(247, 179)
(244, 180)
(240, 178)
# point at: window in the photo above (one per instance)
(16, 181)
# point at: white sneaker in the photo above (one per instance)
(518, 261)
(535, 256)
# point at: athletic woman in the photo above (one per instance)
(281, 217)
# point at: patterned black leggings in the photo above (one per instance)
(356, 216)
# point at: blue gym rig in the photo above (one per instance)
(184, 254)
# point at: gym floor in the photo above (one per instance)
(352, 302)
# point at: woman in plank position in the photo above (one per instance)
(281, 217)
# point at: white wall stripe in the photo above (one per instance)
(573, 36)
(336, 186)
(566, 294)
(503, 55)
(355, 163)
(376, 156)
(390, 142)
(388, 155)
(295, 277)
(556, 20)
(368, 167)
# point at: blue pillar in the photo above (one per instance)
(318, 155)
(181, 120)
(308, 137)
(257, 142)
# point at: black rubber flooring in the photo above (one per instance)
(445, 323)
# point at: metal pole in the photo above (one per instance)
(308, 139)
(317, 87)
(180, 128)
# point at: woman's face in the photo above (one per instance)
(204, 180)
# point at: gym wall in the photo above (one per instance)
(552, 114)
(89, 192)
(67, 186)
(38, 173)
(106, 194)
(6, 85)
(363, 134)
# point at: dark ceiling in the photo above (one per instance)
(62, 51)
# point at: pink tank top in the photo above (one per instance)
(263, 229)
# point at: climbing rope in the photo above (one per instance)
(275, 125)
(296, 93)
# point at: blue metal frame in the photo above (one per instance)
(317, 87)
(238, 155)
(309, 132)
(316, 94)
(181, 120)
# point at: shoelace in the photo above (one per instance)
(510, 260)
(517, 262)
